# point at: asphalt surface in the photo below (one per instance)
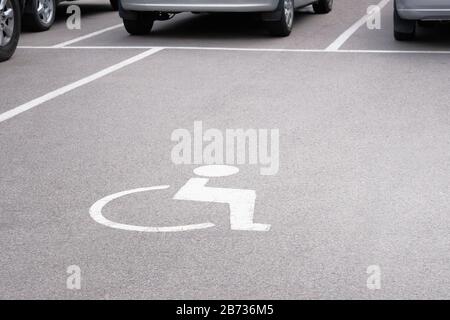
(364, 173)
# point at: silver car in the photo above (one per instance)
(138, 15)
(408, 12)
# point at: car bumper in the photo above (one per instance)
(200, 5)
(424, 9)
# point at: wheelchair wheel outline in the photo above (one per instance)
(95, 212)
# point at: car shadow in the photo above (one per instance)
(433, 33)
(207, 25)
(220, 26)
(188, 26)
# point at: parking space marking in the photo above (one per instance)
(56, 93)
(350, 31)
(87, 36)
(241, 202)
(238, 49)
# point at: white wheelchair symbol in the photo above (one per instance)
(241, 202)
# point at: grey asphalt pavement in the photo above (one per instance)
(364, 174)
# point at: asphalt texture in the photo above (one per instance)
(364, 169)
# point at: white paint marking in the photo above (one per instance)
(241, 201)
(241, 49)
(96, 213)
(56, 93)
(87, 36)
(216, 170)
(350, 31)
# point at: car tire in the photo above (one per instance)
(9, 27)
(404, 30)
(40, 14)
(323, 6)
(114, 4)
(282, 27)
(139, 26)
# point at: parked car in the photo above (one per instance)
(10, 23)
(408, 12)
(138, 15)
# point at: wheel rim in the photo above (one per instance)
(6, 22)
(289, 12)
(45, 10)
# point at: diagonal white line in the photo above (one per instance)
(87, 36)
(350, 31)
(56, 93)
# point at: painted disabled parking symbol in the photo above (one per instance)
(241, 202)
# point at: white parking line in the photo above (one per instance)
(87, 36)
(350, 31)
(236, 49)
(53, 94)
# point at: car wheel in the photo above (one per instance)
(40, 14)
(139, 26)
(283, 26)
(10, 19)
(114, 4)
(323, 6)
(403, 29)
